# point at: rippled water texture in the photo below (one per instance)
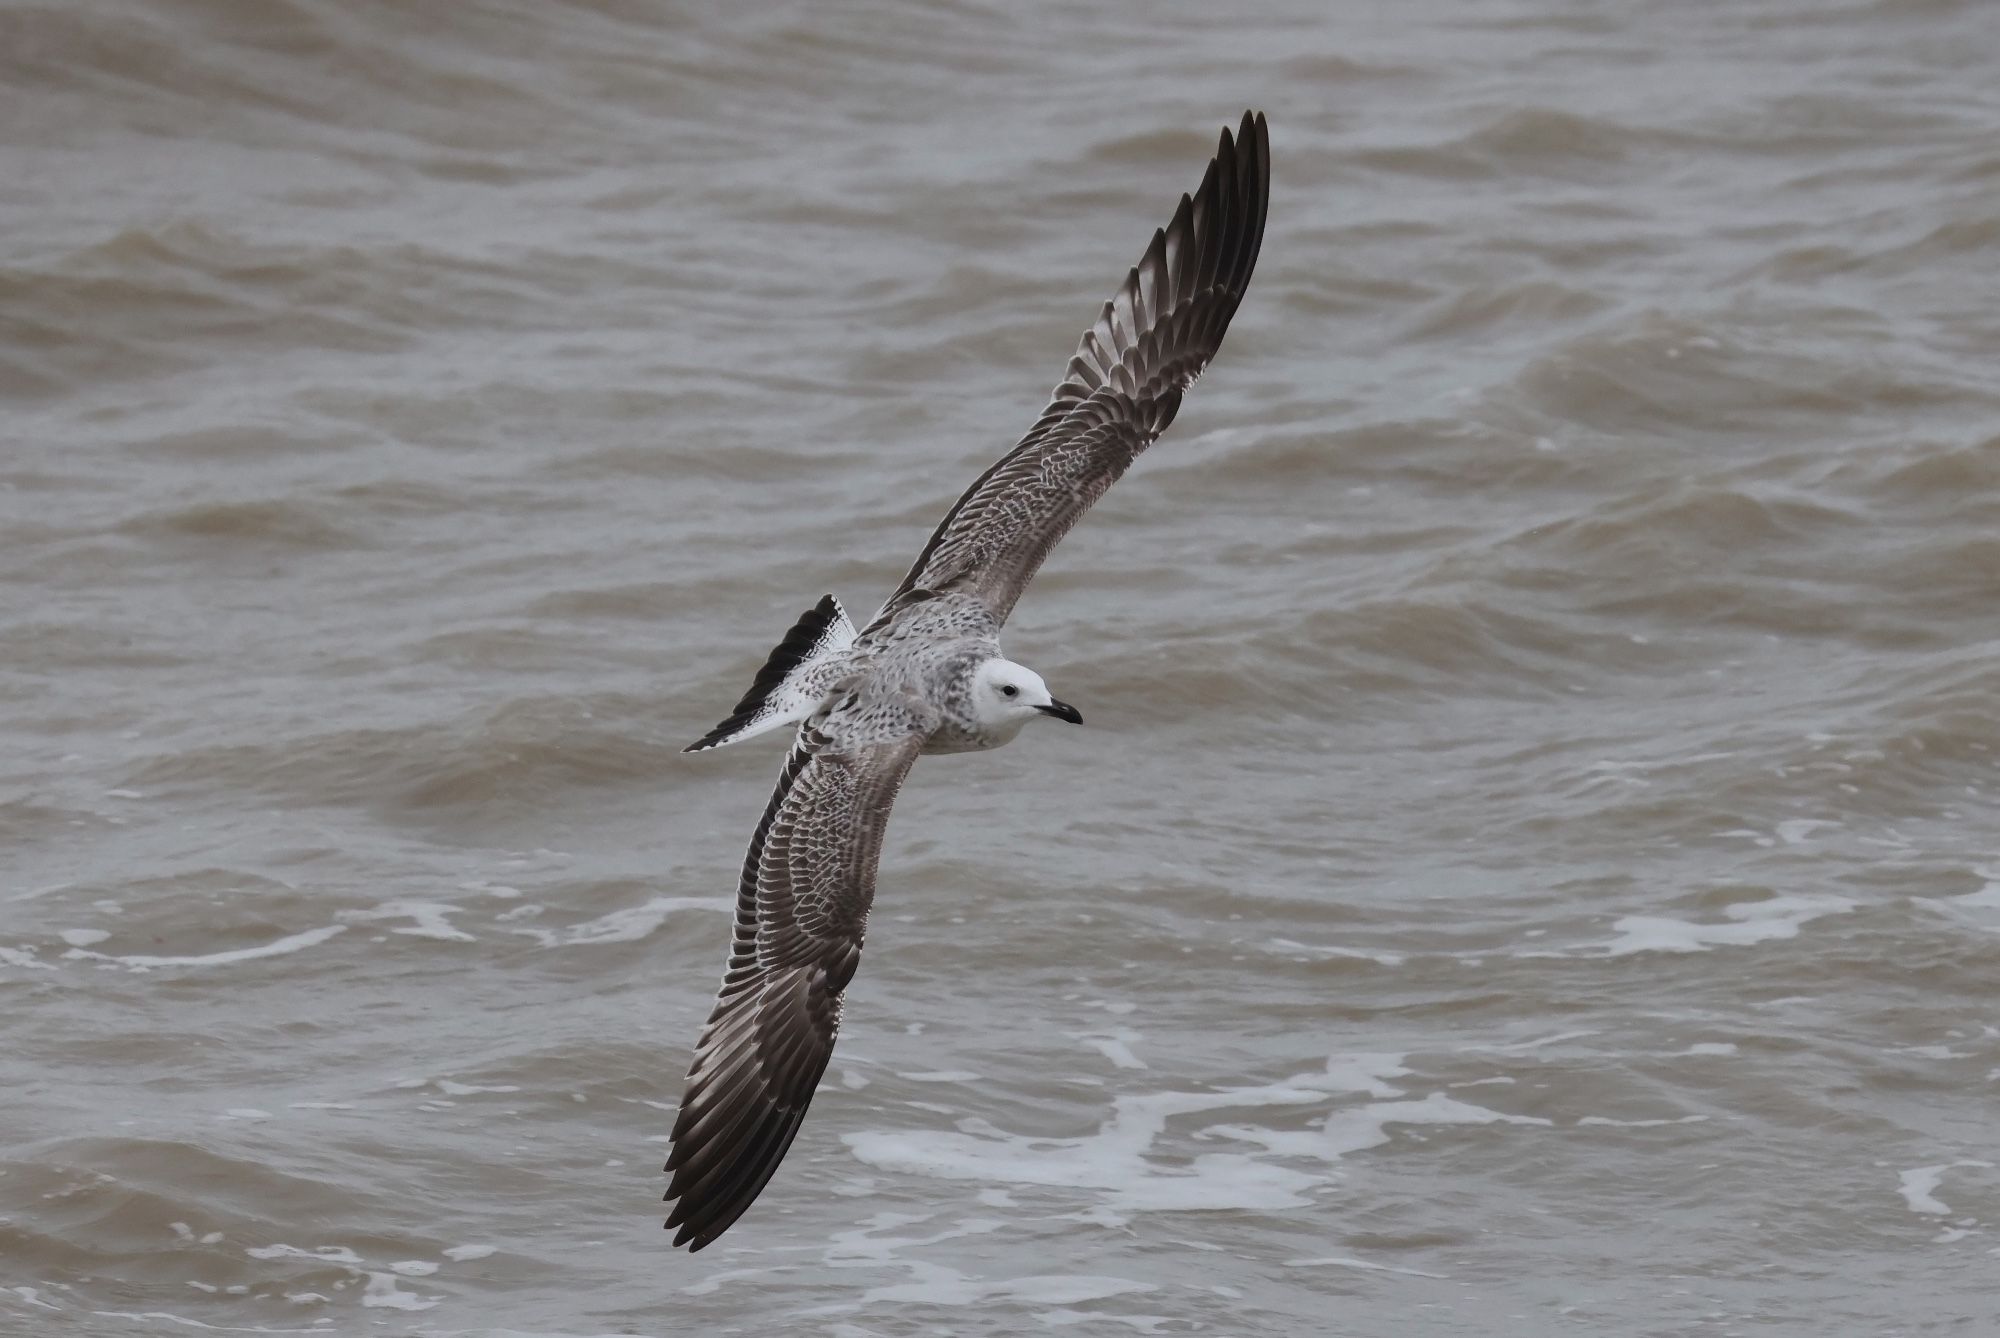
(1532, 867)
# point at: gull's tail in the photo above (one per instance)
(789, 685)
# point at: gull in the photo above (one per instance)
(926, 676)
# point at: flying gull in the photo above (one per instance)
(926, 676)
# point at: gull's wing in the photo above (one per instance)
(801, 911)
(1121, 390)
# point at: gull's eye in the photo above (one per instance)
(1009, 690)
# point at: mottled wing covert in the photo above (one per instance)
(1121, 390)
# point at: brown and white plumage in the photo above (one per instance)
(926, 676)
(1122, 388)
(801, 911)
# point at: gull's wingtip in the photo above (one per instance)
(686, 1237)
(1254, 136)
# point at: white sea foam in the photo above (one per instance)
(1114, 1159)
(463, 1253)
(429, 919)
(36, 893)
(1919, 1185)
(1986, 898)
(182, 1321)
(866, 1243)
(1118, 1158)
(624, 926)
(1363, 1072)
(276, 948)
(1917, 1188)
(1365, 1127)
(329, 1254)
(1292, 948)
(1797, 831)
(382, 1291)
(942, 1286)
(1342, 1261)
(1115, 1044)
(873, 1245)
(1062, 1317)
(715, 1280)
(1749, 922)
(82, 938)
(1532, 1043)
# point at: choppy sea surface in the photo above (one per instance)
(1532, 867)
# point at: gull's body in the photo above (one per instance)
(927, 676)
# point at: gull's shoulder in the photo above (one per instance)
(919, 620)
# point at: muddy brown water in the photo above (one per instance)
(1532, 865)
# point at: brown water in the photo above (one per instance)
(1532, 866)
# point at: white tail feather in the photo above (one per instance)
(792, 681)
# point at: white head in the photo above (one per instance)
(1006, 696)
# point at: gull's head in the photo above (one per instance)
(1006, 696)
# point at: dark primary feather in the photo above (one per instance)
(1121, 390)
(801, 913)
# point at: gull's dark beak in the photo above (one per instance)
(1062, 711)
